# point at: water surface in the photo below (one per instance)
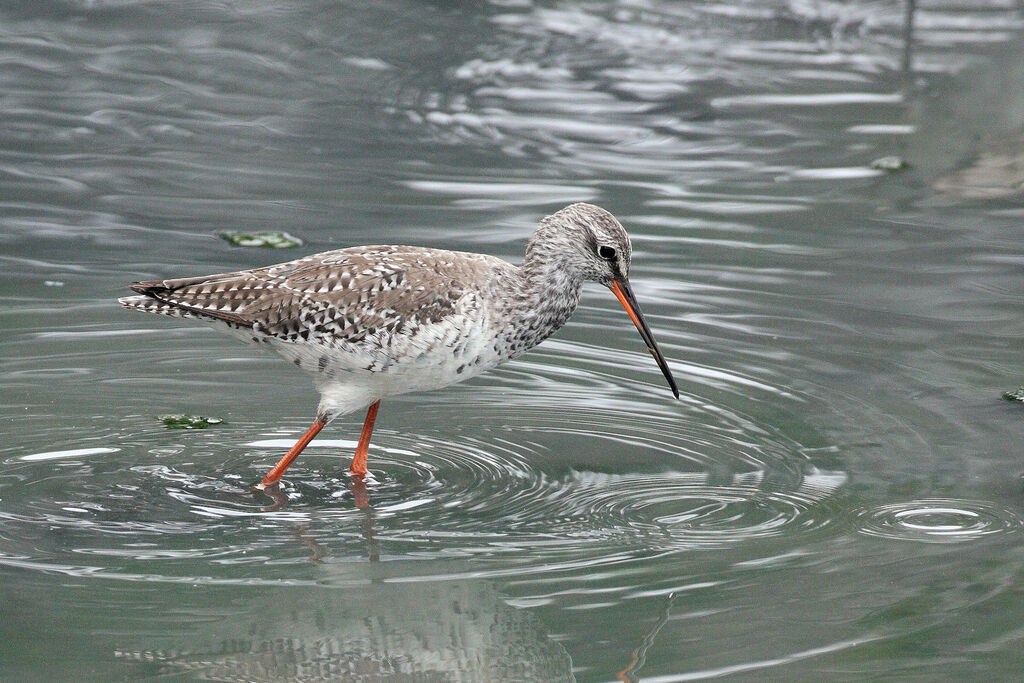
(836, 494)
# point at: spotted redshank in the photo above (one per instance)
(377, 321)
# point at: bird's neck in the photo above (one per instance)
(550, 282)
(548, 293)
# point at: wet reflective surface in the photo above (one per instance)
(836, 494)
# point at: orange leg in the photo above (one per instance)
(359, 459)
(274, 475)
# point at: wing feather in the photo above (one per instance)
(343, 295)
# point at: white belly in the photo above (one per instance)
(352, 376)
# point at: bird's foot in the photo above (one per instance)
(274, 492)
(357, 485)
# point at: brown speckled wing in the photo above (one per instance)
(342, 295)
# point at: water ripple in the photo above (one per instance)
(938, 520)
(495, 485)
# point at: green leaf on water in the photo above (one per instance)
(269, 240)
(1014, 395)
(188, 421)
(891, 164)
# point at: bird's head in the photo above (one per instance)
(591, 244)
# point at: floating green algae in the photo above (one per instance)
(1014, 395)
(188, 421)
(268, 240)
(891, 164)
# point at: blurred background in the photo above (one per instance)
(825, 201)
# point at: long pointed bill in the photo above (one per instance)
(624, 293)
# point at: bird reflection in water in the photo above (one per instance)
(358, 623)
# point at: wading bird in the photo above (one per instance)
(378, 321)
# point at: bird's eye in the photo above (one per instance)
(607, 253)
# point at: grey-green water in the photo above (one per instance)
(837, 495)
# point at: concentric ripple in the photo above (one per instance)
(938, 520)
(494, 487)
(528, 491)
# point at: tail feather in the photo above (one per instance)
(186, 298)
(152, 297)
(150, 304)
